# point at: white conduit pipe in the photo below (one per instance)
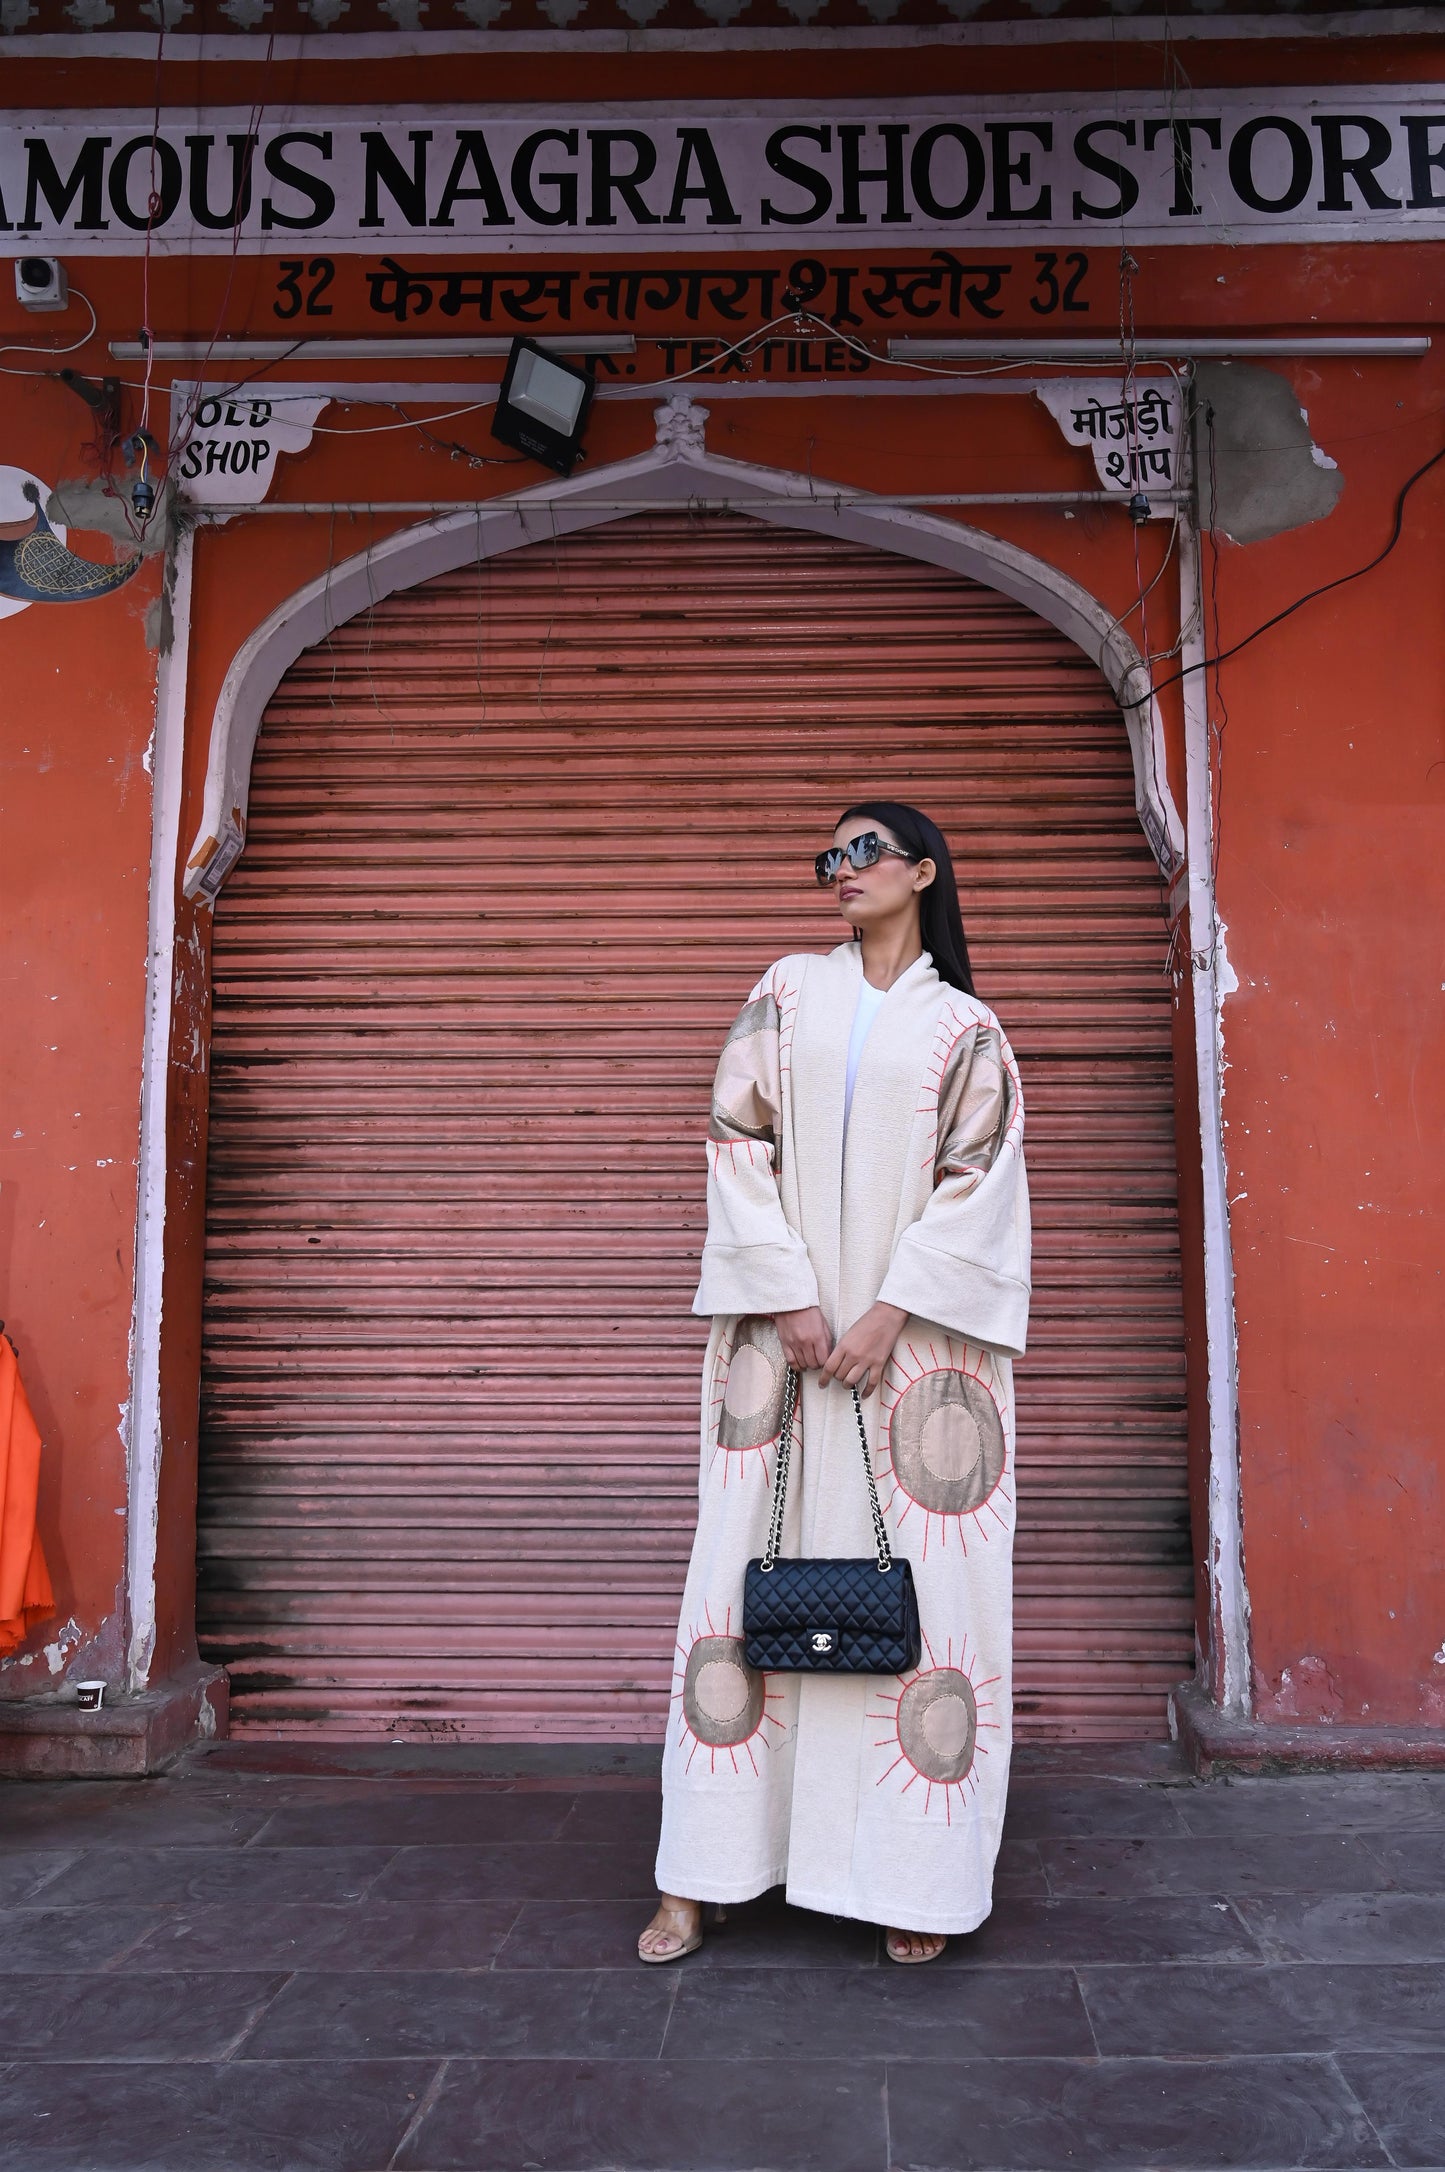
(836, 501)
(1184, 348)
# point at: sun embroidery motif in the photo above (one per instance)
(943, 1443)
(934, 1724)
(722, 1702)
(746, 1408)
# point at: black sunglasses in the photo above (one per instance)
(860, 852)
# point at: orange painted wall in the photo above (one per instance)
(1332, 882)
(1329, 879)
(75, 823)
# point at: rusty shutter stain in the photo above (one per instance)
(520, 840)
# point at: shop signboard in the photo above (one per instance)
(1246, 165)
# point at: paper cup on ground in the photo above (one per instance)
(90, 1695)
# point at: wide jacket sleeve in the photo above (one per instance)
(753, 1260)
(965, 1262)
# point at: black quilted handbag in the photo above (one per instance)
(839, 1617)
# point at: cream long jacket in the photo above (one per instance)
(874, 1797)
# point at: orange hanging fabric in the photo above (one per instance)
(25, 1593)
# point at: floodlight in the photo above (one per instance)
(542, 406)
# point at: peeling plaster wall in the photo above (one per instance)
(1260, 472)
(80, 502)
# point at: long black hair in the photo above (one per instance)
(940, 921)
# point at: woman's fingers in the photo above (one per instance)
(854, 1369)
(838, 1362)
(804, 1336)
(853, 1359)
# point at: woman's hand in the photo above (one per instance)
(804, 1337)
(859, 1356)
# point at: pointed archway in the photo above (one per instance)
(521, 834)
(679, 471)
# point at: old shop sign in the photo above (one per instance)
(1132, 429)
(1252, 165)
(227, 445)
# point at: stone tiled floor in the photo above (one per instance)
(241, 1970)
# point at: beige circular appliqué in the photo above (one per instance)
(938, 1724)
(722, 1696)
(946, 1442)
(752, 1404)
(741, 1091)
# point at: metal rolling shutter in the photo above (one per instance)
(520, 840)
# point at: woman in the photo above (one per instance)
(868, 1226)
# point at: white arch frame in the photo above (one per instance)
(678, 470)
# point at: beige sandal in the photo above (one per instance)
(913, 1960)
(685, 1946)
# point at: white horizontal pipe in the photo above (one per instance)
(1182, 349)
(837, 499)
(453, 392)
(1154, 25)
(358, 350)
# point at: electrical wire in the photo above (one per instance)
(449, 445)
(800, 319)
(803, 320)
(375, 429)
(153, 208)
(103, 443)
(229, 392)
(251, 140)
(1144, 593)
(1189, 627)
(458, 451)
(1325, 588)
(54, 352)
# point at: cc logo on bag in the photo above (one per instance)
(823, 1640)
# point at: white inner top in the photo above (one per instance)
(870, 1000)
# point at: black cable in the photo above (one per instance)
(451, 445)
(1342, 580)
